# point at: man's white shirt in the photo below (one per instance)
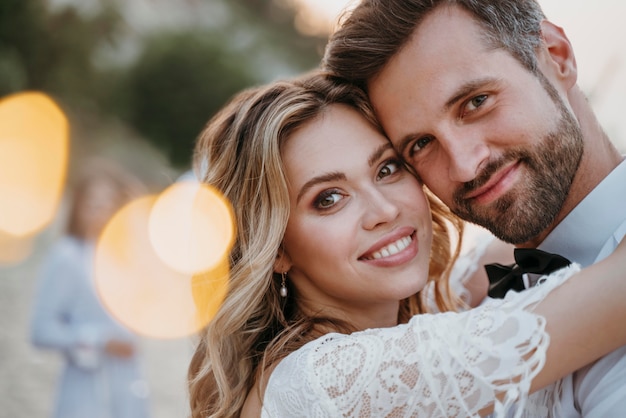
(588, 234)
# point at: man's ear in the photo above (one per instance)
(556, 59)
(283, 263)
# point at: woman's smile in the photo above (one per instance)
(391, 249)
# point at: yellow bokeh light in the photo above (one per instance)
(141, 291)
(34, 139)
(191, 227)
(319, 17)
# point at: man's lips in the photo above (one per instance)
(498, 184)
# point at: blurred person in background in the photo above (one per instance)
(101, 376)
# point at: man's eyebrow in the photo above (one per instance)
(335, 176)
(468, 88)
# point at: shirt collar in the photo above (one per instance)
(582, 234)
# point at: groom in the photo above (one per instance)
(481, 98)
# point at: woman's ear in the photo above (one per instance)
(283, 263)
(557, 62)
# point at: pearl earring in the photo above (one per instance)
(283, 285)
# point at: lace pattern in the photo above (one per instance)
(442, 365)
(476, 240)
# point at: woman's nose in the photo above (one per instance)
(379, 209)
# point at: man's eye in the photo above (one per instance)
(476, 102)
(420, 144)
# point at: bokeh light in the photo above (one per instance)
(34, 141)
(191, 227)
(144, 293)
(319, 17)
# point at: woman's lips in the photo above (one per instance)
(395, 249)
(390, 249)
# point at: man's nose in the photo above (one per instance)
(465, 155)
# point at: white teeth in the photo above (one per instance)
(391, 249)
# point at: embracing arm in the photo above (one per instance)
(472, 362)
(477, 284)
(468, 278)
(584, 317)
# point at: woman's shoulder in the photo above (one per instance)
(253, 405)
(309, 380)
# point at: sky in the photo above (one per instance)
(596, 30)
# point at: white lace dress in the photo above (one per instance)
(437, 365)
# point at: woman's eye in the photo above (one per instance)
(327, 199)
(388, 169)
(476, 102)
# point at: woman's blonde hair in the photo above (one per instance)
(238, 152)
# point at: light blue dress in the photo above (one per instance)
(69, 317)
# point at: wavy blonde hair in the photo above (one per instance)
(238, 152)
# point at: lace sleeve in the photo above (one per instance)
(475, 243)
(440, 365)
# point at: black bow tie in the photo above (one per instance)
(503, 278)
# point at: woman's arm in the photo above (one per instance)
(469, 278)
(477, 284)
(470, 362)
(584, 317)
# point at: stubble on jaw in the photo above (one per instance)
(528, 211)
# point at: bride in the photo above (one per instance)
(340, 302)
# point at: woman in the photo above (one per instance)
(101, 375)
(333, 251)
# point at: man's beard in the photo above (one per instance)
(523, 213)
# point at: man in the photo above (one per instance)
(481, 99)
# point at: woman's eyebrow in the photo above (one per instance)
(378, 152)
(335, 176)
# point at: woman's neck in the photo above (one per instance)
(359, 318)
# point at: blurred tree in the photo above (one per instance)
(52, 52)
(277, 19)
(184, 77)
(21, 25)
(178, 83)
